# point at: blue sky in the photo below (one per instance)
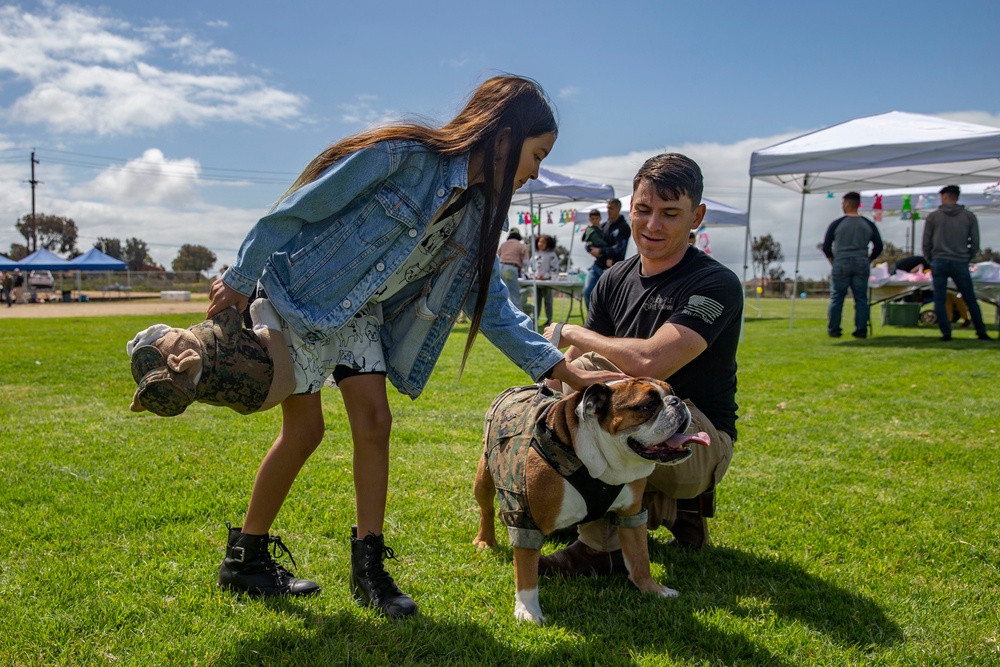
(182, 122)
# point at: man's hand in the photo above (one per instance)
(223, 296)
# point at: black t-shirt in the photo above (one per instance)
(700, 294)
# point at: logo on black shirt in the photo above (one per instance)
(656, 302)
(703, 307)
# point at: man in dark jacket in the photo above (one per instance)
(616, 233)
(846, 246)
(951, 240)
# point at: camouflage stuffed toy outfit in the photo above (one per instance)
(236, 370)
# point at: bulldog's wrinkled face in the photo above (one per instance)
(644, 415)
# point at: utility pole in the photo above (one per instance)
(34, 227)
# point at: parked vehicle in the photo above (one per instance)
(41, 280)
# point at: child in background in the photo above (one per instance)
(593, 236)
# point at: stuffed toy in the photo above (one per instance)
(216, 362)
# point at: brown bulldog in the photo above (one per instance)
(554, 461)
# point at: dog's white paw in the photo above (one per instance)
(526, 607)
(665, 592)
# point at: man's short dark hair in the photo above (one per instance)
(854, 198)
(617, 201)
(673, 175)
(952, 190)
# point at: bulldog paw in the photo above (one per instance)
(526, 607)
(521, 613)
(665, 592)
(481, 543)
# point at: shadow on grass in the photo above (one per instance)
(726, 595)
(958, 342)
(365, 638)
(717, 585)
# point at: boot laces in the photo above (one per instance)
(381, 581)
(278, 549)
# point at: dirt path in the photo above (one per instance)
(133, 306)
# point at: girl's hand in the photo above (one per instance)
(223, 296)
(579, 379)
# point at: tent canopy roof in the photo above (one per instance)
(43, 259)
(552, 188)
(96, 260)
(890, 150)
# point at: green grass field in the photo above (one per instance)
(856, 526)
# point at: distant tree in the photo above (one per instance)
(987, 254)
(766, 251)
(18, 251)
(136, 254)
(110, 247)
(51, 232)
(776, 279)
(193, 258)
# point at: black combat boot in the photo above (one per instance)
(249, 567)
(371, 585)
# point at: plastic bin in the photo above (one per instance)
(901, 314)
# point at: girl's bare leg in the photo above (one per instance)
(371, 423)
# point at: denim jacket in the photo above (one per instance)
(325, 249)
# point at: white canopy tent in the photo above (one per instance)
(552, 189)
(890, 150)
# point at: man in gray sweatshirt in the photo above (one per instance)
(846, 246)
(951, 240)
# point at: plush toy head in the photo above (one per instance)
(217, 362)
(166, 365)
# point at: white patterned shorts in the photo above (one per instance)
(357, 346)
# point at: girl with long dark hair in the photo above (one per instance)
(366, 263)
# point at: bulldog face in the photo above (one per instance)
(633, 425)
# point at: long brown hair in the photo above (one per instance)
(501, 104)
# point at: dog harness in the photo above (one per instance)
(515, 424)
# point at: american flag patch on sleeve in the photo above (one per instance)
(703, 307)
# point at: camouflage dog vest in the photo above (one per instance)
(515, 424)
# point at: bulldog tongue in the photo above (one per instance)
(678, 440)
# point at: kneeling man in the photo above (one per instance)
(674, 313)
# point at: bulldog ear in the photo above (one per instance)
(136, 405)
(187, 361)
(596, 400)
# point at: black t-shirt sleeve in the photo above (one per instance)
(710, 305)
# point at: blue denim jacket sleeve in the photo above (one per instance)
(319, 200)
(511, 331)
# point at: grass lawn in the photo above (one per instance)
(856, 526)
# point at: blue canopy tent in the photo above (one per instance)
(7, 264)
(95, 260)
(43, 260)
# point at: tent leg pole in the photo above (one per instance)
(746, 253)
(798, 252)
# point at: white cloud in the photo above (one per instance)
(363, 112)
(90, 73)
(151, 179)
(568, 93)
(977, 117)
